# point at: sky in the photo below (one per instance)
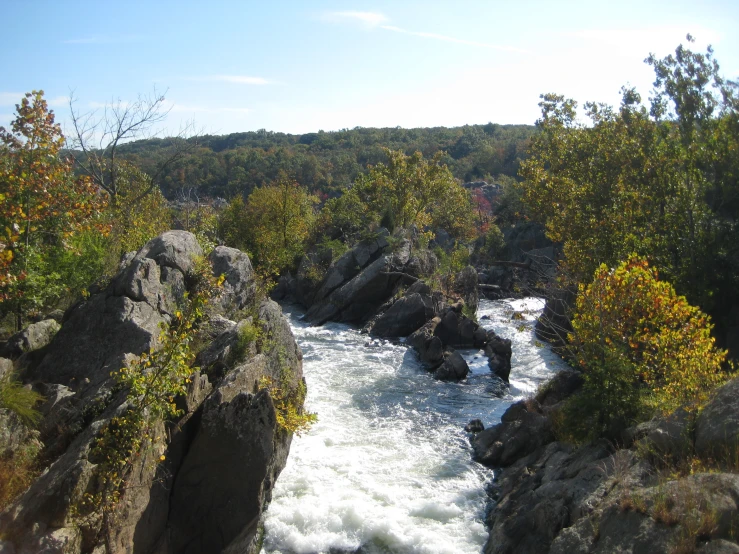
(304, 66)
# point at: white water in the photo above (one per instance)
(387, 468)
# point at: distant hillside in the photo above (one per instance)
(325, 161)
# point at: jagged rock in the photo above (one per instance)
(466, 284)
(175, 249)
(405, 316)
(560, 387)
(285, 288)
(671, 436)
(520, 433)
(422, 263)
(453, 368)
(554, 322)
(33, 337)
(498, 350)
(232, 429)
(474, 426)
(717, 426)
(238, 286)
(357, 299)
(719, 546)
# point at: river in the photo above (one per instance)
(387, 468)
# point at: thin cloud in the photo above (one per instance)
(446, 38)
(236, 79)
(371, 19)
(10, 98)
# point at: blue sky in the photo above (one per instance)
(301, 66)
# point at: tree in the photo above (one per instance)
(642, 348)
(645, 180)
(42, 206)
(98, 138)
(273, 225)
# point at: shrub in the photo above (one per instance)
(20, 400)
(642, 347)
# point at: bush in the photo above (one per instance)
(643, 349)
(20, 400)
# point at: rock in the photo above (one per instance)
(560, 387)
(499, 352)
(404, 317)
(474, 426)
(175, 249)
(356, 300)
(719, 546)
(227, 476)
(554, 322)
(520, 433)
(33, 337)
(422, 263)
(717, 426)
(285, 288)
(6, 367)
(238, 286)
(466, 285)
(670, 437)
(453, 368)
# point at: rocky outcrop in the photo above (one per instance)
(557, 498)
(221, 457)
(352, 297)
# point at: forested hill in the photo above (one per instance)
(325, 162)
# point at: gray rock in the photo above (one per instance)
(719, 546)
(33, 337)
(6, 367)
(520, 433)
(466, 285)
(671, 436)
(175, 249)
(238, 286)
(356, 300)
(404, 317)
(717, 426)
(560, 387)
(453, 368)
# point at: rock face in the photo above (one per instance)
(350, 295)
(222, 456)
(557, 498)
(717, 427)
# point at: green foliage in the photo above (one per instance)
(288, 400)
(19, 399)
(410, 190)
(643, 349)
(450, 264)
(273, 225)
(657, 180)
(249, 333)
(42, 206)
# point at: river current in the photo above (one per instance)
(387, 468)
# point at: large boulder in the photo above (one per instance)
(466, 284)
(405, 316)
(453, 368)
(238, 285)
(522, 431)
(33, 337)
(357, 299)
(717, 426)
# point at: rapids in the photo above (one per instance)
(387, 468)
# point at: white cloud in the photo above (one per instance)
(445, 38)
(371, 19)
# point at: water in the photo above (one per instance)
(387, 468)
